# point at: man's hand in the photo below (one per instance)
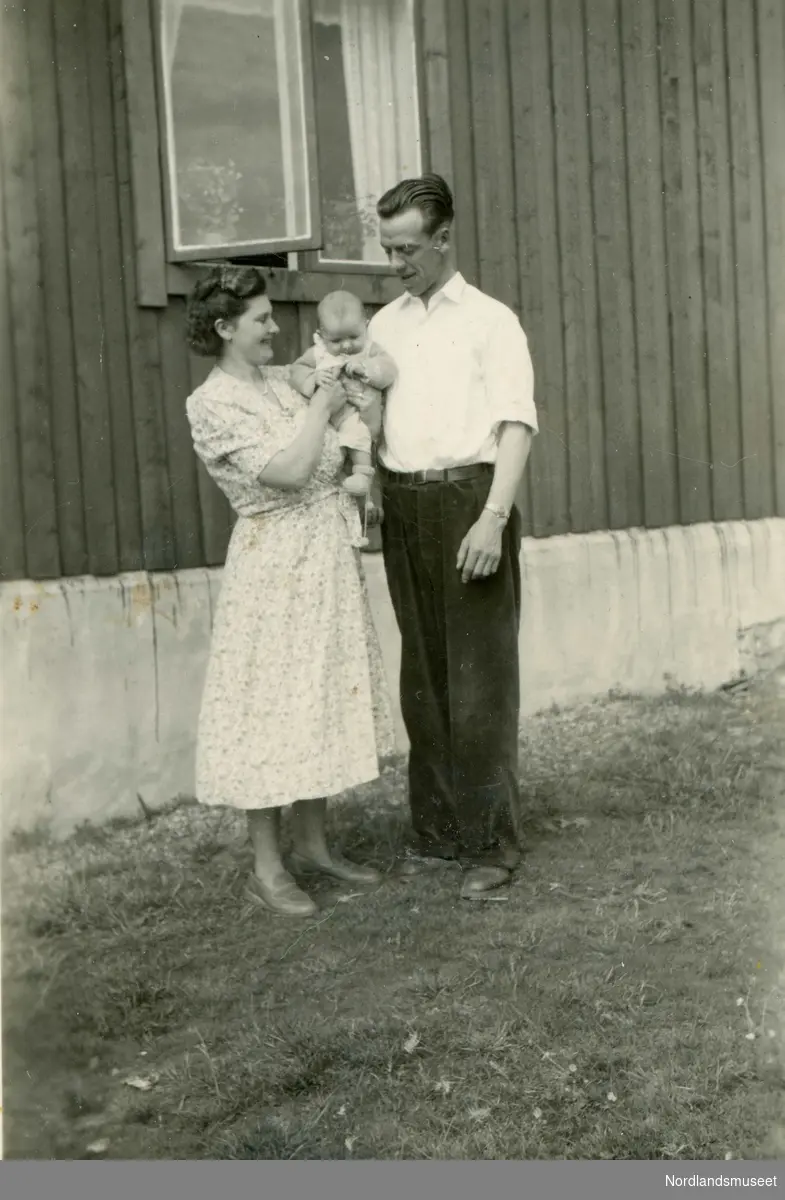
(481, 549)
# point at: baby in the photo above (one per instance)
(342, 350)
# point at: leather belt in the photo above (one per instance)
(448, 475)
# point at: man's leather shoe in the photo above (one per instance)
(480, 882)
(412, 865)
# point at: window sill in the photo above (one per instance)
(299, 287)
(310, 261)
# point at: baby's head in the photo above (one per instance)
(342, 323)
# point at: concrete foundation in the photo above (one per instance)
(101, 679)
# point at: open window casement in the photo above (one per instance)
(238, 137)
(368, 120)
(262, 127)
(223, 151)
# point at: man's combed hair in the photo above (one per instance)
(222, 295)
(430, 194)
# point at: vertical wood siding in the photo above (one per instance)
(618, 169)
(647, 143)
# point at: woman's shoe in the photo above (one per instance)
(337, 868)
(285, 898)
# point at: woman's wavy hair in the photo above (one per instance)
(222, 295)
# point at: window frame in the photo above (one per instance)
(158, 277)
(310, 258)
(242, 249)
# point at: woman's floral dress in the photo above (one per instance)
(295, 703)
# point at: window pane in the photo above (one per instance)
(235, 115)
(367, 117)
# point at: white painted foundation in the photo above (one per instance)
(101, 679)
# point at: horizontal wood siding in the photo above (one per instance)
(618, 170)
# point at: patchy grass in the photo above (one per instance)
(623, 1001)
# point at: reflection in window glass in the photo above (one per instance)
(367, 117)
(235, 115)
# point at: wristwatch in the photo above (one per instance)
(502, 513)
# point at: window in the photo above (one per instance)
(284, 121)
(236, 119)
(367, 117)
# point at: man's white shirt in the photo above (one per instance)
(464, 368)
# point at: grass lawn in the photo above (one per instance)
(623, 1000)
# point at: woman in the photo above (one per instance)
(295, 707)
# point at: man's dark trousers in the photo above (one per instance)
(460, 684)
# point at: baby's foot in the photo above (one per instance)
(360, 481)
(357, 485)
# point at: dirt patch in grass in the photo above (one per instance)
(623, 1000)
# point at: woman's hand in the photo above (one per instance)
(291, 469)
(356, 370)
(326, 376)
(332, 398)
(367, 402)
(355, 390)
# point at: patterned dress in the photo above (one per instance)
(295, 703)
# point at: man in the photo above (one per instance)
(458, 427)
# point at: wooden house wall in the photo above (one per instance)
(622, 169)
(619, 168)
